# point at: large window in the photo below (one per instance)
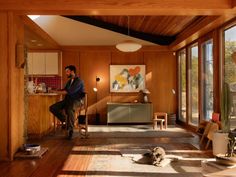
(230, 68)
(193, 85)
(207, 91)
(182, 85)
(230, 48)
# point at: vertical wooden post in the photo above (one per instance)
(11, 86)
(216, 68)
(4, 87)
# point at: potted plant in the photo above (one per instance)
(224, 140)
(229, 158)
(231, 144)
(220, 138)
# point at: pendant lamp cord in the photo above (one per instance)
(128, 24)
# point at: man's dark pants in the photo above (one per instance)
(69, 106)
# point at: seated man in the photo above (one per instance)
(74, 92)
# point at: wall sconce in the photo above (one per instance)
(173, 91)
(95, 89)
(97, 79)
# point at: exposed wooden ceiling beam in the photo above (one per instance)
(198, 29)
(122, 7)
(51, 43)
(157, 39)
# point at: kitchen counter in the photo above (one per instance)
(40, 119)
(127, 103)
(44, 94)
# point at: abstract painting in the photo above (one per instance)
(127, 78)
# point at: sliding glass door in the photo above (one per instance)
(230, 69)
(190, 81)
(193, 85)
(182, 85)
(207, 82)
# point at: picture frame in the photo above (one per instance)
(127, 78)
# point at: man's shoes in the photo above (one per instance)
(70, 134)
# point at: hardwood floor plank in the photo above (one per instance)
(67, 158)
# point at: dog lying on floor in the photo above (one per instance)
(156, 155)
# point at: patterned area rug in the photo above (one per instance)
(138, 131)
(130, 163)
(122, 155)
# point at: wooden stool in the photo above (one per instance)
(161, 120)
(81, 113)
(155, 121)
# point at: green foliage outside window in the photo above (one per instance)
(230, 66)
(194, 80)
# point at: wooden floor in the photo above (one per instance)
(73, 157)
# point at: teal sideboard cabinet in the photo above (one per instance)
(129, 112)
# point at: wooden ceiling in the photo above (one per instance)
(161, 30)
(156, 25)
(121, 7)
(172, 31)
(183, 20)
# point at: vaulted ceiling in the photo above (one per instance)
(161, 30)
(55, 31)
(156, 25)
(174, 23)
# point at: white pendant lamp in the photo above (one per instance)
(128, 45)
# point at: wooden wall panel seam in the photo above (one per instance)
(9, 48)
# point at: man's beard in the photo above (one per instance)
(69, 76)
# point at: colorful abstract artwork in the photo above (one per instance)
(127, 78)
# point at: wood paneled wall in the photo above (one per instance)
(160, 76)
(16, 75)
(11, 86)
(4, 87)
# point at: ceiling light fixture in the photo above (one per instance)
(128, 45)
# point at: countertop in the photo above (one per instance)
(128, 103)
(44, 94)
